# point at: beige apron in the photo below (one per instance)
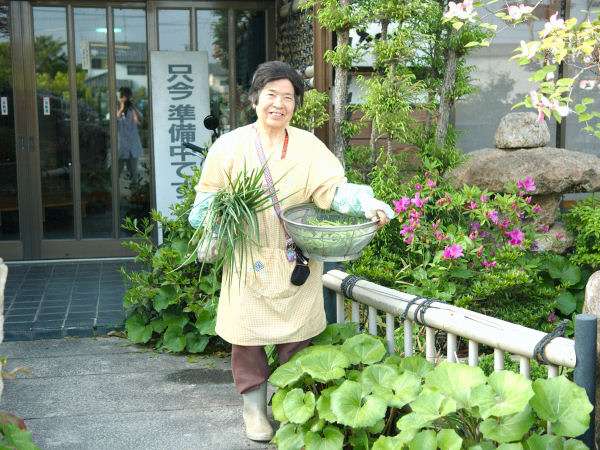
(260, 306)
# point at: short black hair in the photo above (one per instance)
(125, 91)
(272, 71)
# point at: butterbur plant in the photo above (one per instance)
(347, 392)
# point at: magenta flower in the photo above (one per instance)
(417, 201)
(408, 239)
(526, 184)
(453, 251)
(472, 205)
(536, 209)
(435, 225)
(431, 183)
(544, 228)
(418, 187)
(484, 198)
(504, 224)
(515, 236)
(488, 264)
(552, 317)
(493, 216)
(407, 229)
(528, 199)
(439, 236)
(401, 205)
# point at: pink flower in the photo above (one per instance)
(408, 239)
(504, 224)
(527, 184)
(473, 234)
(401, 205)
(407, 229)
(552, 25)
(417, 201)
(544, 228)
(446, 200)
(528, 199)
(431, 183)
(418, 187)
(463, 10)
(453, 251)
(484, 198)
(439, 236)
(515, 236)
(472, 205)
(552, 317)
(536, 209)
(435, 225)
(559, 236)
(493, 216)
(587, 84)
(488, 264)
(516, 12)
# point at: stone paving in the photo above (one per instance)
(54, 300)
(105, 393)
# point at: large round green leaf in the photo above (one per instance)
(508, 428)
(355, 410)
(456, 381)
(546, 442)
(165, 296)
(286, 374)
(428, 407)
(195, 343)
(174, 340)
(289, 437)
(564, 404)
(277, 405)
(364, 349)
(417, 365)
(299, 406)
(566, 302)
(335, 333)
(331, 438)
(324, 405)
(325, 364)
(378, 375)
(506, 393)
(391, 442)
(405, 388)
(137, 330)
(425, 440)
(514, 446)
(449, 440)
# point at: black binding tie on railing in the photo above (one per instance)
(540, 348)
(421, 308)
(348, 284)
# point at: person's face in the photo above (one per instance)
(275, 105)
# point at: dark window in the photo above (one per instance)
(136, 69)
(98, 63)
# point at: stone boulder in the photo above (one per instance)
(521, 130)
(557, 240)
(591, 305)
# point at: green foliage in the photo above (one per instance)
(583, 220)
(348, 393)
(313, 112)
(14, 438)
(171, 302)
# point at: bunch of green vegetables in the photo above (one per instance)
(232, 221)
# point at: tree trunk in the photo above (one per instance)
(446, 101)
(340, 102)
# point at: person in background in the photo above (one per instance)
(129, 144)
(261, 306)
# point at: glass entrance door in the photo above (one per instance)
(80, 66)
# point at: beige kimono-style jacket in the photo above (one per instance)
(261, 306)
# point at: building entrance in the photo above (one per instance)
(75, 119)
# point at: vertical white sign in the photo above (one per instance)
(180, 102)
(4, 106)
(46, 105)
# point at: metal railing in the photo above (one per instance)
(402, 309)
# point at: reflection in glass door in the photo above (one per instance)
(9, 199)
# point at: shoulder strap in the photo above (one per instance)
(289, 243)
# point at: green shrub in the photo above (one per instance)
(313, 111)
(346, 392)
(170, 304)
(583, 220)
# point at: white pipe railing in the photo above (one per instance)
(456, 322)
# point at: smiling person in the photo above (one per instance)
(261, 306)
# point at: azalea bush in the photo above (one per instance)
(172, 302)
(347, 392)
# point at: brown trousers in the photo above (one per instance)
(249, 363)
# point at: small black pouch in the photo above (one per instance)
(301, 271)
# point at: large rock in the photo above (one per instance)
(521, 130)
(591, 305)
(556, 240)
(554, 170)
(3, 276)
